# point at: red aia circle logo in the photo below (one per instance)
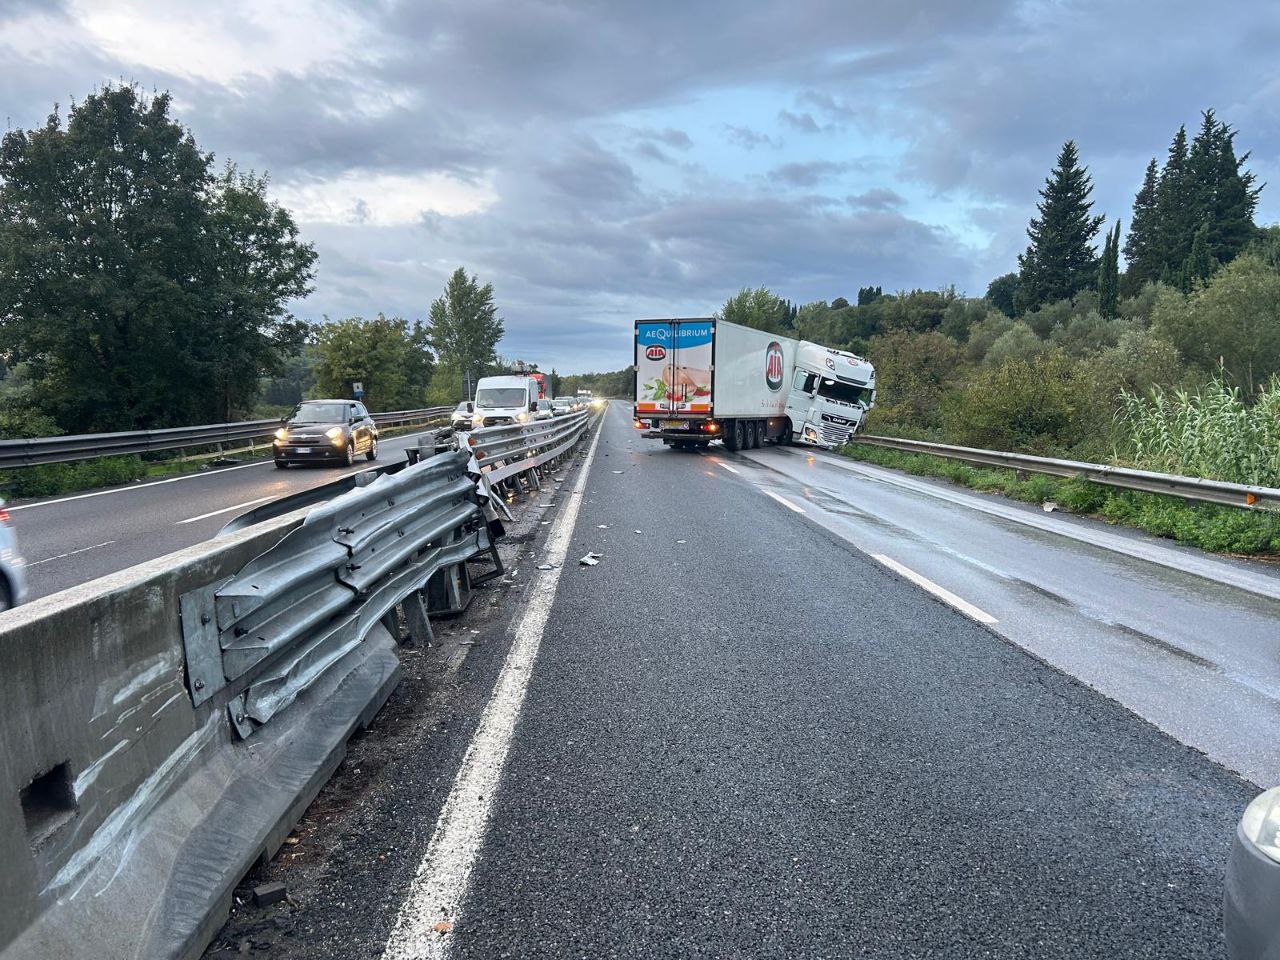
(656, 352)
(773, 366)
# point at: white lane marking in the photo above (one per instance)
(130, 487)
(436, 894)
(721, 463)
(942, 593)
(784, 501)
(70, 553)
(238, 506)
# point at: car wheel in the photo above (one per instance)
(351, 452)
(373, 450)
(281, 464)
(6, 596)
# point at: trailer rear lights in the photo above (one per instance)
(641, 424)
(711, 427)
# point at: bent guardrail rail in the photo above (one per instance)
(1188, 488)
(86, 446)
(165, 727)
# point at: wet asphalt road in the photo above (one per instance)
(760, 743)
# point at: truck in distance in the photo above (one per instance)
(701, 379)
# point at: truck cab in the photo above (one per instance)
(829, 396)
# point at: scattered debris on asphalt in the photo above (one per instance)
(265, 894)
(591, 559)
(1049, 506)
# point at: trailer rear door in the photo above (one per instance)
(673, 367)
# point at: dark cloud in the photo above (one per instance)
(747, 138)
(880, 198)
(803, 122)
(808, 174)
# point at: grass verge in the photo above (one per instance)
(1207, 526)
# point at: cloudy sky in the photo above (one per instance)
(599, 161)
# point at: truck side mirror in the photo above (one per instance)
(533, 406)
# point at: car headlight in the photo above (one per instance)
(522, 417)
(1261, 823)
(282, 435)
(335, 435)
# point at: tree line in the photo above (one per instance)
(142, 287)
(1057, 355)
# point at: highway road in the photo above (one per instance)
(803, 708)
(68, 540)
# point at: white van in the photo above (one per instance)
(502, 400)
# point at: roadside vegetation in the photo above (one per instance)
(1170, 364)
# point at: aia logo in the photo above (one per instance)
(773, 366)
(656, 352)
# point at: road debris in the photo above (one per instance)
(265, 894)
(591, 559)
(1048, 506)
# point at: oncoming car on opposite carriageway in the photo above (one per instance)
(326, 431)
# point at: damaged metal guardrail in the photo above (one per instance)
(520, 449)
(86, 446)
(1188, 488)
(166, 726)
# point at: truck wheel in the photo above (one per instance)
(758, 435)
(784, 438)
(749, 435)
(733, 435)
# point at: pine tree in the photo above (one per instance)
(1141, 247)
(1109, 275)
(1060, 260)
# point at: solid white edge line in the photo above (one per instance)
(730, 468)
(238, 506)
(783, 500)
(942, 593)
(437, 892)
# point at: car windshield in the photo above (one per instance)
(844, 392)
(319, 413)
(464, 407)
(544, 404)
(493, 397)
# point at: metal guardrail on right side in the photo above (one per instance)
(1126, 478)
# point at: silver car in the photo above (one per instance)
(13, 581)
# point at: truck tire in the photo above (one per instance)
(785, 437)
(749, 435)
(758, 434)
(733, 435)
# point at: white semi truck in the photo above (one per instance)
(703, 379)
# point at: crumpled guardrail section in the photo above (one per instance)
(1127, 478)
(165, 726)
(281, 621)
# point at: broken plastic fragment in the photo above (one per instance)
(444, 926)
(1048, 506)
(591, 559)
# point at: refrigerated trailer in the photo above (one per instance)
(701, 379)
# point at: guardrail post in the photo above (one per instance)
(415, 615)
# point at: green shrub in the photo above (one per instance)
(55, 478)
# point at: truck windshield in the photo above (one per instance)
(844, 392)
(491, 398)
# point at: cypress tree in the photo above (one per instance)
(1200, 263)
(1060, 260)
(1109, 275)
(1235, 199)
(1175, 216)
(1141, 247)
